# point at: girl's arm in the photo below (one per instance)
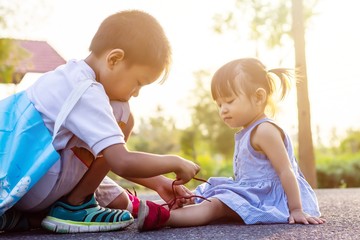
(268, 139)
(129, 164)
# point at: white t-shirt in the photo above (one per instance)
(92, 118)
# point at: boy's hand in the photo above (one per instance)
(298, 216)
(187, 170)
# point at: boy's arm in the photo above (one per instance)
(129, 164)
(153, 183)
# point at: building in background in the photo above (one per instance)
(41, 58)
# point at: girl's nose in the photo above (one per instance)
(223, 109)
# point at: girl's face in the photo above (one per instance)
(239, 110)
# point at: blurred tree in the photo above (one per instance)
(271, 23)
(306, 149)
(10, 52)
(156, 134)
(351, 143)
(208, 133)
(14, 18)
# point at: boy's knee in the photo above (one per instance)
(120, 202)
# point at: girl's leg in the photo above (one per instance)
(201, 214)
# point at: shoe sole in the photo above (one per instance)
(65, 226)
(143, 212)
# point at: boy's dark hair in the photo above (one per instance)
(139, 35)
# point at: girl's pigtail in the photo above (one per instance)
(285, 75)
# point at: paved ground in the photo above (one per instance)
(341, 208)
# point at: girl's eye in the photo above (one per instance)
(229, 102)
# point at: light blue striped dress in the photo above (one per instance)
(255, 192)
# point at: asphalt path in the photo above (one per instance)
(341, 208)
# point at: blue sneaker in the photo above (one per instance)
(88, 217)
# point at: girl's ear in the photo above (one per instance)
(115, 56)
(260, 96)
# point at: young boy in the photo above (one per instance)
(129, 50)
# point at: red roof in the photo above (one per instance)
(43, 57)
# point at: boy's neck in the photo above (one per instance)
(93, 62)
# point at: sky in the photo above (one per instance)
(332, 50)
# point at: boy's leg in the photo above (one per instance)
(97, 171)
(86, 187)
(89, 182)
(110, 194)
(80, 212)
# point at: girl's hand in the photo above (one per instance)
(298, 216)
(180, 192)
(169, 192)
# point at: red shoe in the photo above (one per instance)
(135, 202)
(152, 216)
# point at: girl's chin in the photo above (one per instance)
(230, 125)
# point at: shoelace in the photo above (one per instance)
(173, 201)
(131, 194)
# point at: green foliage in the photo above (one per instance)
(187, 143)
(11, 54)
(339, 172)
(156, 135)
(351, 143)
(207, 130)
(14, 17)
(340, 168)
(269, 21)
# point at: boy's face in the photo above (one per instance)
(122, 81)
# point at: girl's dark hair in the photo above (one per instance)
(139, 35)
(246, 75)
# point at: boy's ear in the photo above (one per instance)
(114, 56)
(260, 96)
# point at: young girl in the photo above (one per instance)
(267, 186)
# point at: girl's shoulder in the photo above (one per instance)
(265, 132)
(267, 128)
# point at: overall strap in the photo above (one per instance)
(69, 104)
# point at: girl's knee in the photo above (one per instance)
(223, 211)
